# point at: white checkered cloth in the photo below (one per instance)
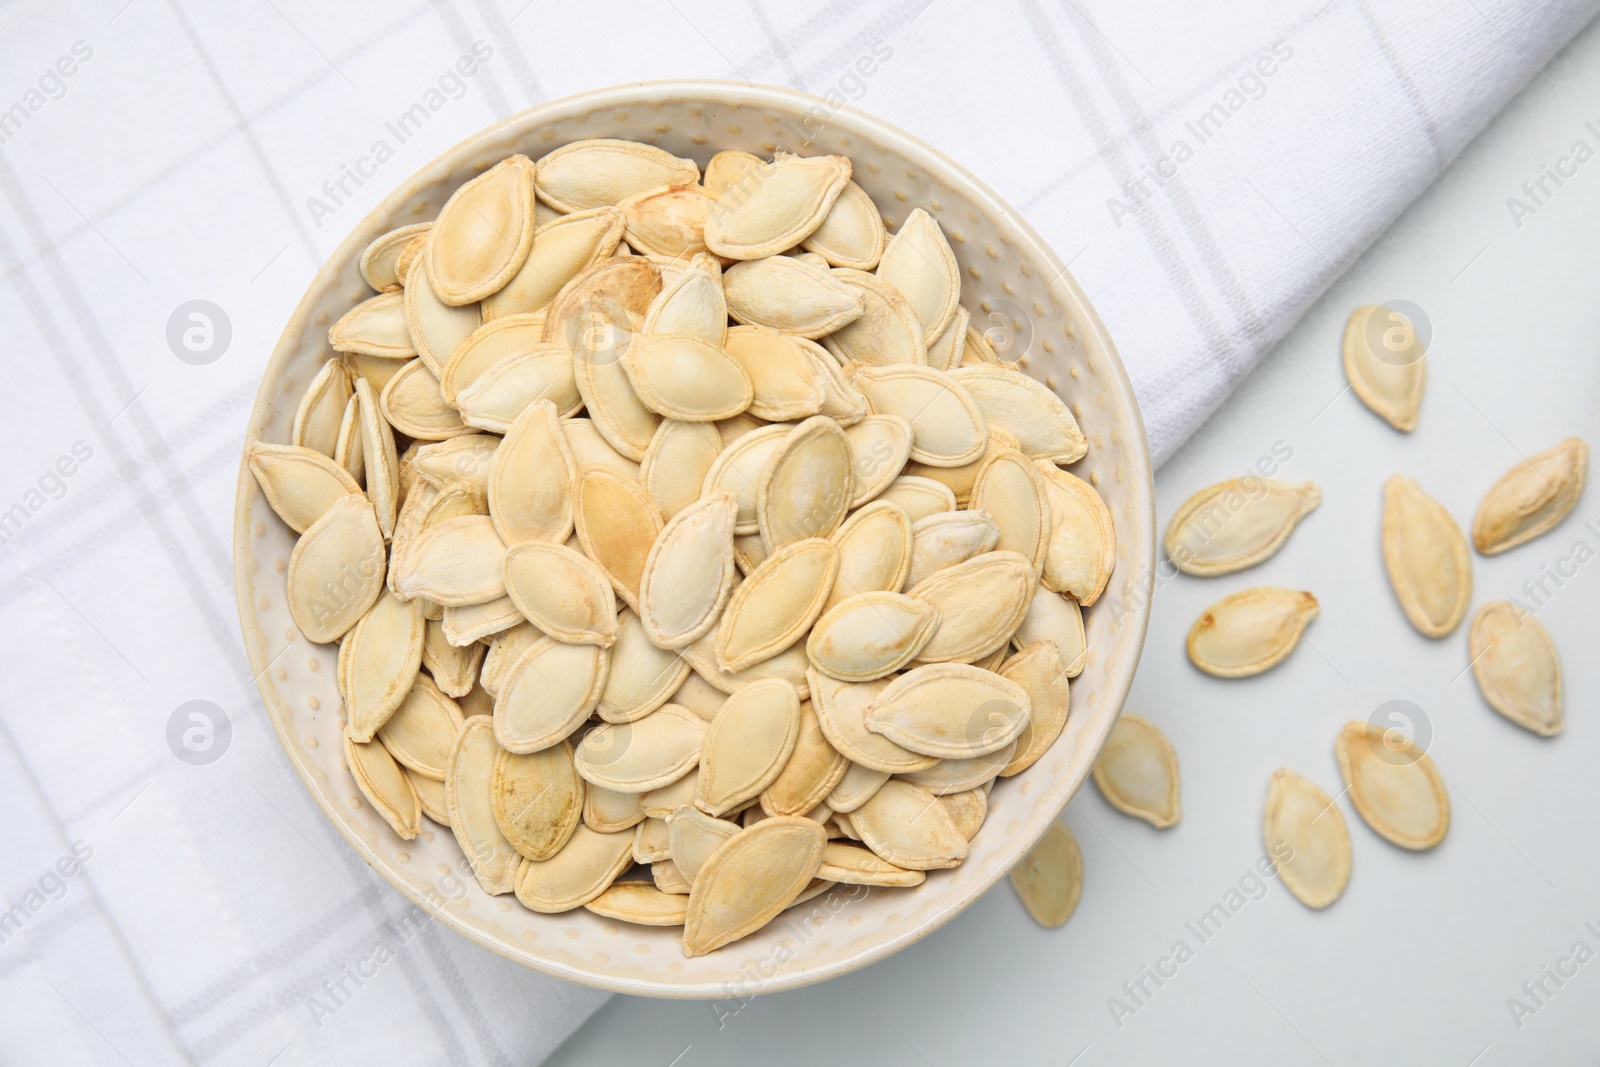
(1206, 168)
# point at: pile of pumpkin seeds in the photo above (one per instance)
(671, 617)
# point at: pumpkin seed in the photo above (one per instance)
(950, 710)
(692, 305)
(453, 667)
(737, 470)
(635, 757)
(434, 327)
(486, 347)
(591, 449)
(1394, 785)
(947, 428)
(920, 263)
(686, 378)
(858, 866)
(615, 285)
(561, 251)
(961, 479)
(1083, 540)
(885, 333)
(380, 259)
(1059, 619)
(698, 695)
(950, 776)
(650, 838)
(641, 904)
(777, 604)
(874, 552)
(494, 399)
(642, 677)
(855, 788)
(374, 327)
(336, 570)
(668, 221)
(607, 811)
(1010, 490)
(688, 575)
(677, 462)
(783, 293)
(812, 772)
(383, 652)
(413, 404)
(1049, 880)
(693, 836)
(945, 351)
(1517, 668)
(1029, 410)
(584, 868)
(805, 487)
(1307, 839)
(789, 664)
(431, 796)
(617, 525)
(457, 562)
(749, 879)
(1137, 772)
(385, 785)
(748, 745)
(919, 497)
(422, 729)
(775, 208)
(600, 171)
(1531, 498)
(871, 635)
(410, 253)
(981, 602)
(852, 234)
(879, 448)
(469, 795)
(904, 824)
(562, 592)
(1426, 557)
(1250, 631)
(378, 454)
(473, 622)
(530, 479)
(1236, 524)
(841, 712)
(786, 382)
(1389, 382)
(318, 418)
(538, 799)
(947, 538)
(727, 168)
(299, 483)
(669, 879)
(483, 233)
(547, 693)
(461, 463)
(1039, 671)
(967, 809)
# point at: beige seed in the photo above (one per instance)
(662, 801)
(422, 730)
(336, 570)
(600, 171)
(748, 745)
(378, 454)
(562, 592)
(538, 799)
(858, 866)
(562, 250)
(1393, 785)
(1038, 418)
(382, 654)
(1384, 361)
(1531, 498)
(692, 836)
(1010, 490)
(483, 233)
(642, 677)
(617, 525)
(677, 462)
(591, 449)
(431, 795)
(812, 772)
(879, 448)
(1137, 772)
(981, 602)
(1049, 879)
(608, 812)
(586, 865)
(299, 483)
(413, 404)
(635, 757)
(1306, 839)
(1236, 524)
(790, 664)
(1426, 556)
(689, 573)
(385, 785)
(497, 397)
(783, 293)
(453, 666)
(640, 903)
(686, 378)
(904, 824)
(852, 235)
(1250, 631)
(456, 562)
(919, 497)
(871, 635)
(737, 470)
(776, 207)
(380, 260)
(950, 776)
(920, 263)
(1083, 540)
(434, 327)
(776, 604)
(950, 710)
(530, 479)
(874, 552)
(487, 346)
(727, 168)
(1039, 671)
(469, 795)
(749, 879)
(944, 352)
(1059, 619)
(547, 693)
(614, 285)
(374, 327)
(669, 220)
(855, 788)
(948, 538)
(1518, 671)
(885, 333)
(692, 305)
(841, 712)
(320, 415)
(947, 427)
(967, 809)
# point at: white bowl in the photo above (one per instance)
(1012, 280)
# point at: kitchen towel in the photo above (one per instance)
(1207, 167)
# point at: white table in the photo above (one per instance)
(1416, 962)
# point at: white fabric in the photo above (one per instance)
(215, 905)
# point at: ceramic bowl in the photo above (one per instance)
(1016, 288)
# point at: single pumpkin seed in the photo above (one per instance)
(538, 799)
(431, 795)
(1531, 498)
(853, 865)
(904, 824)
(841, 712)
(786, 382)
(385, 785)
(693, 836)
(1236, 524)
(1426, 556)
(434, 327)
(1307, 839)
(374, 327)
(321, 412)
(641, 904)
(1137, 772)
(457, 562)
(413, 404)
(727, 168)
(947, 538)
(749, 879)
(871, 635)
(607, 811)
(885, 333)
(852, 234)
(617, 525)
(855, 788)
(483, 233)
(378, 454)
(689, 573)
(1390, 382)
(874, 552)
(783, 293)
(950, 710)
(737, 470)
(775, 208)
(1394, 785)
(1083, 539)
(475, 622)
(981, 602)
(1049, 879)
(1059, 619)
(805, 487)
(642, 677)
(614, 285)
(967, 809)
(1028, 409)
(945, 351)
(469, 795)
(530, 479)
(1250, 631)
(547, 694)
(812, 772)
(692, 305)
(591, 449)
(879, 448)
(670, 880)
(919, 497)
(775, 606)
(561, 251)
(669, 220)
(453, 666)
(336, 570)
(1039, 671)
(677, 462)
(380, 260)
(1517, 668)
(299, 483)
(662, 801)
(562, 592)
(486, 347)
(748, 745)
(950, 776)
(383, 653)
(790, 664)
(643, 755)
(494, 399)
(584, 868)
(919, 262)
(686, 378)
(1011, 491)
(601, 171)
(947, 427)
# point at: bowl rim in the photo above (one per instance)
(737, 94)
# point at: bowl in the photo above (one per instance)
(1012, 283)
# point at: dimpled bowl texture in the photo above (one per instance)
(1014, 286)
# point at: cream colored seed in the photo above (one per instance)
(1518, 671)
(1393, 785)
(1531, 498)
(1250, 631)
(1236, 524)
(1137, 772)
(1306, 839)
(1426, 556)
(1384, 361)
(1049, 879)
